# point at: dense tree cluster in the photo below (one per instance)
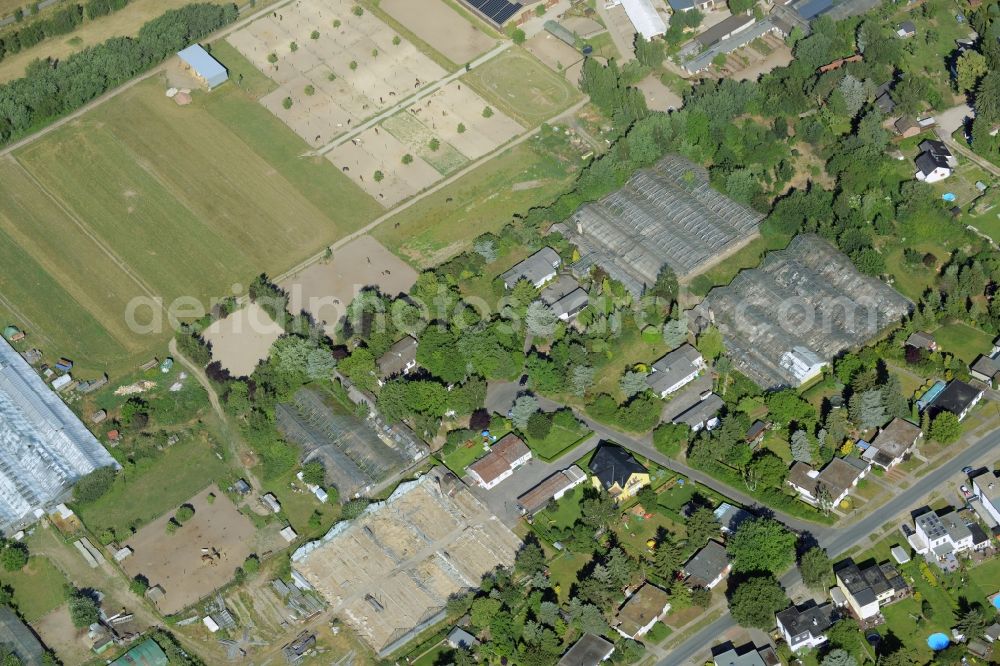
(52, 88)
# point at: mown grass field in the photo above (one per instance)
(38, 587)
(141, 197)
(522, 87)
(445, 223)
(149, 489)
(963, 341)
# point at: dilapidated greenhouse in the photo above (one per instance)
(667, 214)
(44, 448)
(785, 320)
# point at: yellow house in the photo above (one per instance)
(615, 470)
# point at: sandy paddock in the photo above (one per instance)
(553, 52)
(436, 116)
(385, 71)
(325, 289)
(440, 26)
(243, 339)
(174, 561)
(378, 150)
(456, 103)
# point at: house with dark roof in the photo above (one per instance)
(935, 162)
(893, 443)
(537, 269)
(870, 586)
(906, 30)
(986, 369)
(805, 627)
(616, 471)
(883, 98)
(675, 370)
(922, 340)
(641, 611)
(906, 127)
(708, 567)
(590, 650)
(565, 297)
(503, 458)
(399, 359)
(747, 655)
(703, 414)
(958, 397)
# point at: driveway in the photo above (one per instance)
(951, 119)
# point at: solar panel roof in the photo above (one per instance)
(498, 11)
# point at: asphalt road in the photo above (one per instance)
(837, 541)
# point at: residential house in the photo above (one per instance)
(755, 433)
(992, 632)
(939, 538)
(922, 340)
(565, 297)
(906, 30)
(641, 611)
(675, 370)
(893, 443)
(883, 98)
(722, 30)
(703, 414)
(537, 269)
(460, 639)
(958, 397)
(708, 567)
(730, 517)
(986, 369)
(869, 587)
(748, 655)
(503, 458)
(400, 359)
(271, 502)
(552, 488)
(986, 487)
(831, 485)
(590, 650)
(615, 470)
(804, 627)
(935, 162)
(907, 127)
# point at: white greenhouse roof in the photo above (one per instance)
(44, 448)
(645, 18)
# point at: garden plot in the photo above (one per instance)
(347, 73)
(452, 118)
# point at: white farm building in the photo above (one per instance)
(44, 448)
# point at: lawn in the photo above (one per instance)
(298, 504)
(463, 456)
(963, 341)
(635, 531)
(38, 587)
(560, 440)
(445, 223)
(749, 256)
(913, 281)
(563, 569)
(628, 349)
(150, 199)
(522, 87)
(567, 510)
(145, 491)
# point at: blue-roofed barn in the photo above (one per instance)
(209, 70)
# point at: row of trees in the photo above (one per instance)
(59, 22)
(50, 89)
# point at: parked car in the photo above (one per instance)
(967, 471)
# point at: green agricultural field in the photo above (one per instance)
(242, 72)
(38, 587)
(445, 223)
(963, 341)
(152, 487)
(522, 87)
(146, 198)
